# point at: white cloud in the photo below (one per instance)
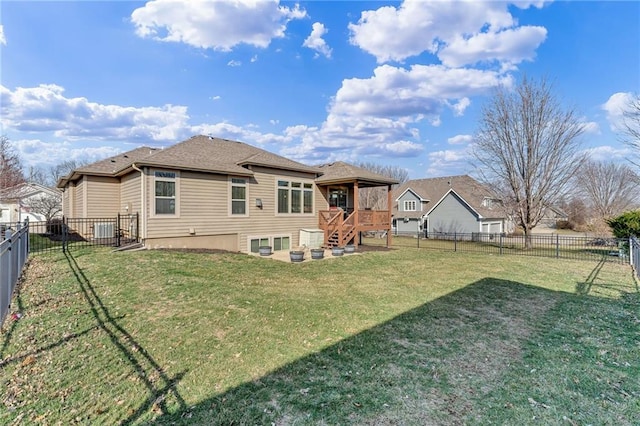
(37, 153)
(234, 63)
(46, 109)
(381, 115)
(615, 107)
(591, 127)
(240, 133)
(464, 32)
(218, 25)
(3, 39)
(609, 153)
(449, 162)
(420, 90)
(460, 106)
(216, 98)
(254, 58)
(316, 42)
(460, 139)
(511, 46)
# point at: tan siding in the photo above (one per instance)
(78, 199)
(130, 194)
(204, 209)
(103, 196)
(66, 201)
(267, 222)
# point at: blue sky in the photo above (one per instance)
(393, 83)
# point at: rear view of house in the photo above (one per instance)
(453, 204)
(215, 193)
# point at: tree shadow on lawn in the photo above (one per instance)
(140, 360)
(430, 365)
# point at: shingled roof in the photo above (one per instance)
(113, 165)
(340, 172)
(199, 153)
(434, 189)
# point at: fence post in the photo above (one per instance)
(455, 241)
(64, 234)
(631, 250)
(501, 236)
(418, 232)
(26, 224)
(118, 231)
(8, 237)
(557, 246)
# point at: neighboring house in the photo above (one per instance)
(31, 201)
(215, 193)
(450, 204)
(550, 218)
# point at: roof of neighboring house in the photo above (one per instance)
(26, 190)
(340, 172)
(435, 189)
(199, 153)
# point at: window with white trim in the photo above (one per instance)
(238, 196)
(410, 205)
(295, 197)
(165, 192)
(277, 243)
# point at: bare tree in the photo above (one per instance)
(50, 176)
(631, 126)
(10, 165)
(376, 198)
(610, 188)
(528, 145)
(47, 205)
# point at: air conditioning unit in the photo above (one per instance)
(103, 230)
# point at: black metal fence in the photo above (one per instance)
(67, 233)
(543, 245)
(14, 252)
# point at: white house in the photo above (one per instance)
(31, 201)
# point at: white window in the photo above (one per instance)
(165, 193)
(295, 197)
(238, 196)
(277, 243)
(410, 206)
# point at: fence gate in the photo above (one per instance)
(64, 233)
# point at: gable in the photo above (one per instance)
(410, 194)
(453, 204)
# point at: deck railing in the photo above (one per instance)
(339, 226)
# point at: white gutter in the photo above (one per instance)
(143, 203)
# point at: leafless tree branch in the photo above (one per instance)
(528, 145)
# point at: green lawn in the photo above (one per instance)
(400, 337)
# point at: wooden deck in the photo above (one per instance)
(341, 228)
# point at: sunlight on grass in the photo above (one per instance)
(384, 337)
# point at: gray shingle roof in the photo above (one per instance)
(201, 153)
(207, 154)
(117, 163)
(433, 189)
(343, 172)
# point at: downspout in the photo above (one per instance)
(143, 203)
